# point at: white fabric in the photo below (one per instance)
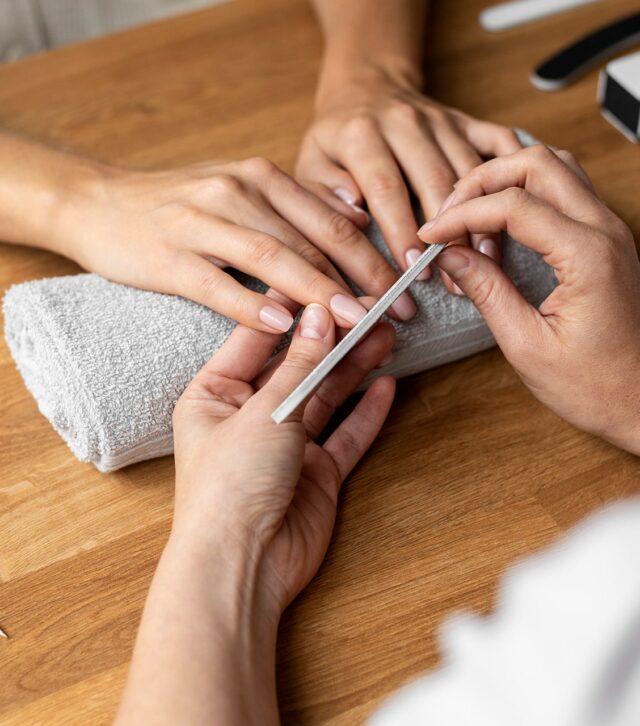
(562, 649)
(27, 26)
(106, 363)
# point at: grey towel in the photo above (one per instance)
(106, 363)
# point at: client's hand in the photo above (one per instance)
(580, 352)
(175, 231)
(375, 132)
(269, 489)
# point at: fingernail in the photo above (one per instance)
(453, 263)
(412, 256)
(276, 319)
(350, 199)
(314, 322)
(458, 291)
(426, 227)
(404, 307)
(347, 308)
(360, 210)
(385, 361)
(489, 248)
(447, 203)
(346, 196)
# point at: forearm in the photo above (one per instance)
(36, 184)
(387, 34)
(205, 652)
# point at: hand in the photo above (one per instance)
(374, 131)
(580, 352)
(268, 490)
(174, 231)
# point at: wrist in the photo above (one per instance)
(343, 71)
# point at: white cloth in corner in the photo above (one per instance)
(561, 649)
(106, 363)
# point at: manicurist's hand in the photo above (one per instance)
(255, 507)
(375, 135)
(580, 352)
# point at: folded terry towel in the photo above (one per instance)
(106, 363)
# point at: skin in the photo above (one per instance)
(375, 135)
(174, 231)
(251, 527)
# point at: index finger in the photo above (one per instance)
(542, 173)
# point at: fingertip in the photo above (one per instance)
(316, 322)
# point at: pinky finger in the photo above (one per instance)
(206, 284)
(350, 441)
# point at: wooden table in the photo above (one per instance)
(469, 473)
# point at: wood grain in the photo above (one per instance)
(469, 473)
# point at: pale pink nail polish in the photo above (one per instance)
(458, 291)
(347, 308)
(411, 257)
(489, 248)
(404, 307)
(346, 196)
(315, 322)
(276, 319)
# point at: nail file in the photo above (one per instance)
(510, 14)
(354, 336)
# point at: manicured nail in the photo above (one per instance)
(453, 263)
(489, 248)
(447, 203)
(457, 291)
(412, 256)
(314, 322)
(350, 199)
(347, 308)
(385, 361)
(404, 307)
(276, 319)
(346, 196)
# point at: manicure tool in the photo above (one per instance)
(508, 15)
(571, 62)
(354, 336)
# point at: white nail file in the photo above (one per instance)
(354, 336)
(511, 14)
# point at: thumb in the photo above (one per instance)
(313, 339)
(512, 320)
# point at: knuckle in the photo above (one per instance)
(405, 113)
(360, 125)
(265, 250)
(258, 166)
(341, 229)
(316, 287)
(440, 177)
(300, 359)
(516, 197)
(484, 293)
(208, 285)
(385, 184)
(224, 185)
(314, 257)
(541, 154)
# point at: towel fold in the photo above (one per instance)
(106, 363)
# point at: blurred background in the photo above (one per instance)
(29, 26)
